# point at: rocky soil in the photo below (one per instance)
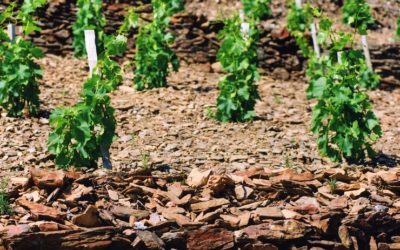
(181, 180)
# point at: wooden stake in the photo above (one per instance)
(242, 15)
(367, 55)
(339, 57)
(299, 4)
(244, 27)
(90, 43)
(314, 38)
(11, 32)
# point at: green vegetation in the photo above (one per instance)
(357, 14)
(299, 21)
(19, 73)
(89, 17)
(343, 118)
(145, 160)
(256, 9)
(154, 57)
(84, 132)
(398, 28)
(238, 57)
(332, 185)
(4, 203)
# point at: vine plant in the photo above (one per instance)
(256, 9)
(299, 21)
(154, 58)
(238, 57)
(19, 73)
(398, 28)
(357, 14)
(343, 118)
(84, 132)
(89, 17)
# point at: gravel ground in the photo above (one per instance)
(171, 126)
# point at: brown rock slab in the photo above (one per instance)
(262, 246)
(292, 175)
(19, 181)
(45, 226)
(338, 203)
(15, 230)
(198, 178)
(41, 211)
(344, 236)
(89, 218)
(207, 238)
(269, 212)
(78, 193)
(307, 205)
(277, 230)
(113, 195)
(126, 212)
(180, 219)
(205, 205)
(47, 179)
(176, 189)
(243, 192)
(150, 240)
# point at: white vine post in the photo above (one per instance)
(339, 57)
(317, 50)
(90, 43)
(244, 27)
(313, 27)
(11, 32)
(364, 43)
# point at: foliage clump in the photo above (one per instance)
(19, 73)
(154, 58)
(398, 28)
(339, 80)
(343, 118)
(238, 57)
(84, 132)
(299, 21)
(89, 17)
(4, 202)
(256, 9)
(357, 14)
(238, 92)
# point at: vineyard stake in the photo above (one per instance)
(339, 57)
(367, 55)
(314, 38)
(244, 27)
(11, 32)
(90, 43)
(299, 4)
